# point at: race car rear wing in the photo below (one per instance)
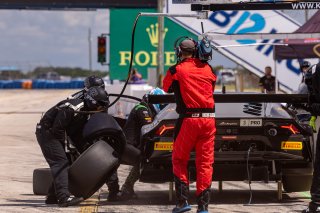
(241, 98)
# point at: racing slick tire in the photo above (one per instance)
(102, 126)
(131, 155)
(297, 180)
(42, 180)
(91, 170)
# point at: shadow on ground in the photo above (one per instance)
(36, 202)
(161, 198)
(259, 197)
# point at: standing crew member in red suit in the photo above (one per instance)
(192, 82)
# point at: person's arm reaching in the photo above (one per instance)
(144, 116)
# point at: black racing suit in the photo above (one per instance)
(113, 181)
(315, 110)
(315, 187)
(57, 122)
(139, 116)
(78, 95)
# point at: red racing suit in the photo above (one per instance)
(193, 82)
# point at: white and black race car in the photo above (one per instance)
(281, 146)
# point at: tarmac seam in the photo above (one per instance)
(91, 205)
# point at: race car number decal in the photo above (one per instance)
(291, 145)
(251, 122)
(163, 146)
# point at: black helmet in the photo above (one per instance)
(305, 64)
(96, 97)
(92, 81)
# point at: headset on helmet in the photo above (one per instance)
(204, 50)
(95, 97)
(92, 81)
(177, 46)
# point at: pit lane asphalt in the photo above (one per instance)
(20, 155)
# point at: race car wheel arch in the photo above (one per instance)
(42, 180)
(104, 126)
(91, 170)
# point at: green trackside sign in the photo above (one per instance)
(146, 42)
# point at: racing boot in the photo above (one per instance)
(69, 201)
(127, 194)
(114, 196)
(182, 194)
(312, 208)
(127, 191)
(51, 198)
(203, 200)
(114, 192)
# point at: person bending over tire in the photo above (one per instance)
(113, 181)
(65, 118)
(142, 114)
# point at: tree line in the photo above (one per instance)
(40, 71)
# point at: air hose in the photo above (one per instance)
(131, 61)
(128, 77)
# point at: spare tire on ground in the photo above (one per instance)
(91, 170)
(42, 180)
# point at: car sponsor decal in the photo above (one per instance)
(147, 119)
(163, 146)
(251, 122)
(227, 123)
(291, 145)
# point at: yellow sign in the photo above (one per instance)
(153, 33)
(144, 58)
(291, 145)
(163, 146)
(147, 36)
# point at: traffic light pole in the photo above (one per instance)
(90, 51)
